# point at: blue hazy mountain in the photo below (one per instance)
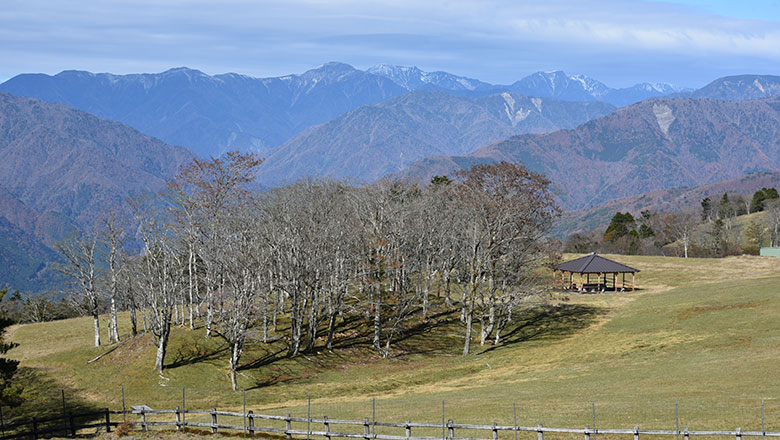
(211, 114)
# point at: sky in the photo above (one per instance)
(619, 42)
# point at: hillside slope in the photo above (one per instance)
(372, 141)
(61, 168)
(679, 339)
(668, 201)
(652, 145)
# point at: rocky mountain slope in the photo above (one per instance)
(652, 145)
(61, 168)
(739, 87)
(372, 141)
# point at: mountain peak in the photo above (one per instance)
(412, 78)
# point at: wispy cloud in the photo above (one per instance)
(618, 41)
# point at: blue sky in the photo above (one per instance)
(620, 42)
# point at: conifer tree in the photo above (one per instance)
(8, 367)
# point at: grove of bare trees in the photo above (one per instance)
(317, 253)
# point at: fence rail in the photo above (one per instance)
(249, 426)
(64, 424)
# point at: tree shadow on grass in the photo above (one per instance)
(549, 323)
(41, 398)
(194, 353)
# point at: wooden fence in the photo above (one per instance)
(67, 424)
(252, 424)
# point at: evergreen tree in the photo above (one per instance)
(706, 209)
(620, 226)
(8, 367)
(757, 204)
(441, 180)
(761, 196)
(725, 209)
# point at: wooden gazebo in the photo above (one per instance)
(576, 275)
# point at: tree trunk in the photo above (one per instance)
(378, 322)
(190, 286)
(235, 357)
(96, 321)
(162, 346)
(209, 309)
(114, 327)
(467, 343)
(162, 343)
(133, 321)
(331, 330)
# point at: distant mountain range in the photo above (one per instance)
(61, 169)
(214, 114)
(652, 145)
(374, 140)
(554, 84)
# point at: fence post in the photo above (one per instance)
(366, 429)
(251, 416)
(213, 420)
(183, 406)
(408, 429)
(35, 428)
(108, 420)
(539, 432)
(495, 431)
(739, 433)
(587, 432)
(686, 436)
(178, 418)
(124, 409)
(450, 429)
(763, 430)
(143, 419)
(636, 433)
(72, 424)
(288, 426)
(327, 426)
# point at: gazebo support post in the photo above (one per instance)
(633, 281)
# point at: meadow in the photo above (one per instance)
(701, 332)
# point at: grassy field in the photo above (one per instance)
(703, 332)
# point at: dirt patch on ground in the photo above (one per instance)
(700, 310)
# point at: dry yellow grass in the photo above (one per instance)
(699, 331)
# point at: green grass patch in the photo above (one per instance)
(703, 332)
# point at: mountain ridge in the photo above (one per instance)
(652, 145)
(374, 140)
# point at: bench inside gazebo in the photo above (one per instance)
(593, 273)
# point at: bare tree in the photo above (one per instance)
(79, 254)
(506, 210)
(113, 237)
(681, 227)
(772, 209)
(203, 190)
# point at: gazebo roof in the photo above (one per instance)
(594, 264)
